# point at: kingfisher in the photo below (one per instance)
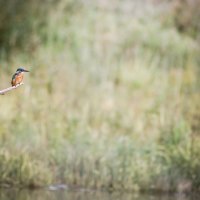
(18, 76)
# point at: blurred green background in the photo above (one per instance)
(112, 100)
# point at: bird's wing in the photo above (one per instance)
(14, 75)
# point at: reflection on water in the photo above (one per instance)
(42, 194)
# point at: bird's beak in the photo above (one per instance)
(26, 70)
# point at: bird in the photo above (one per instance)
(18, 76)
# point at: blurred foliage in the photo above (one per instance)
(186, 15)
(19, 24)
(112, 100)
(20, 170)
(24, 24)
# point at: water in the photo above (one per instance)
(44, 194)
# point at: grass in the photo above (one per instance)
(109, 105)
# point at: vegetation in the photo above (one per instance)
(112, 100)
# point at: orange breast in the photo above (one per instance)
(17, 80)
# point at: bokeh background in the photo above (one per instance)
(112, 99)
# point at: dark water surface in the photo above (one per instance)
(43, 194)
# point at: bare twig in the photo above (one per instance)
(2, 92)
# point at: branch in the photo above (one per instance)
(2, 92)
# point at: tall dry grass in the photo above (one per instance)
(111, 102)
